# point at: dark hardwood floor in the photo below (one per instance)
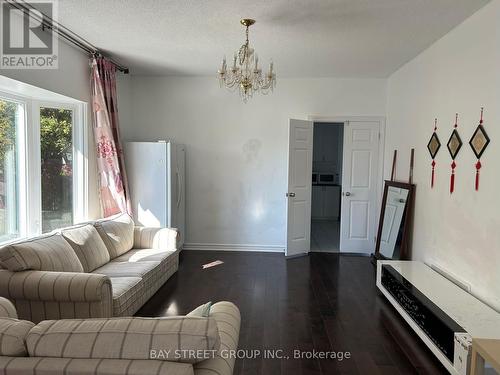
(322, 302)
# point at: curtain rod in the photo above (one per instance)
(66, 33)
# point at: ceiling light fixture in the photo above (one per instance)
(245, 73)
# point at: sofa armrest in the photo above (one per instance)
(54, 286)
(41, 295)
(156, 238)
(7, 309)
(228, 319)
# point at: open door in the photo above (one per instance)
(359, 186)
(300, 147)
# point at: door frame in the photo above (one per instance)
(381, 151)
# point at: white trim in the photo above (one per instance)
(23, 163)
(81, 205)
(33, 161)
(21, 168)
(316, 118)
(234, 247)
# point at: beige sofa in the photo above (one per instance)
(101, 269)
(116, 346)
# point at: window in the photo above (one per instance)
(56, 149)
(42, 164)
(11, 119)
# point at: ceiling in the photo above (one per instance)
(305, 38)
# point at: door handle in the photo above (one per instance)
(402, 200)
(347, 194)
(290, 195)
(179, 186)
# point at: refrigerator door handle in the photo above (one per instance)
(179, 185)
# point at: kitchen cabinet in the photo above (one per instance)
(326, 144)
(325, 202)
(317, 201)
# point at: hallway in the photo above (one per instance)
(325, 236)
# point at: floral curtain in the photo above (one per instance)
(113, 186)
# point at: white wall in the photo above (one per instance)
(72, 79)
(460, 73)
(236, 152)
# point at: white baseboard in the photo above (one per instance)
(234, 247)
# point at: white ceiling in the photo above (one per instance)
(305, 38)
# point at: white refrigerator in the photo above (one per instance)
(156, 178)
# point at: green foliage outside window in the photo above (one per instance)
(56, 153)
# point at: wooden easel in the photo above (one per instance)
(412, 160)
(393, 171)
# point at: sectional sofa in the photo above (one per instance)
(106, 268)
(117, 346)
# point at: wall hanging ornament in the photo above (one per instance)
(433, 146)
(454, 146)
(478, 142)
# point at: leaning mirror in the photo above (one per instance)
(393, 239)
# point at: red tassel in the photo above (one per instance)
(432, 177)
(452, 180)
(478, 167)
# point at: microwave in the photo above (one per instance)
(326, 179)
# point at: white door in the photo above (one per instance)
(393, 216)
(359, 186)
(300, 146)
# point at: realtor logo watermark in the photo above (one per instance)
(27, 35)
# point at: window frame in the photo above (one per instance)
(23, 205)
(30, 202)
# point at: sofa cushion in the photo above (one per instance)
(117, 232)
(7, 309)
(127, 295)
(202, 310)
(88, 246)
(125, 338)
(156, 238)
(46, 253)
(123, 269)
(139, 255)
(13, 333)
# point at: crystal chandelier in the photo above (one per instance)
(245, 73)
